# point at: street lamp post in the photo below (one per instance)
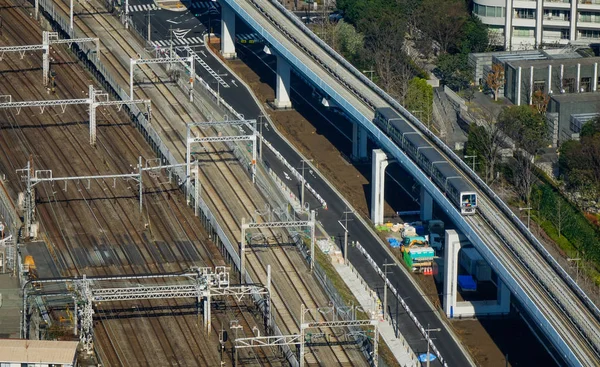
(345, 226)
(428, 330)
(472, 156)
(576, 260)
(528, 215)
(385, 287)
(303, 183)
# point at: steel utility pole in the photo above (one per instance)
(472, 156)
(345, 226)
(576, 260)
(303, 183)
(260, 123)
(385, 287)
(428, 330)
(528, 215)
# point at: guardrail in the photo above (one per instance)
(159, 147)
(463, 166)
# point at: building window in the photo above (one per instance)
(488, 11)
(523, 32)
(585, 85)
(598, 84)
(569, 85)
(587, 33)
(525, 13)
(556, 14)
(565, 34)
(589, 17)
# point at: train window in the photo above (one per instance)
(468, 200)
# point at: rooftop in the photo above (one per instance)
(37, 351)
(591, 97)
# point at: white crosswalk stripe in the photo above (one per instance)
(142, 7)
(204, 5)
(179, 42)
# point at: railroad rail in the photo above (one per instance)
(96, 230)
(565, 314)
(226, 177)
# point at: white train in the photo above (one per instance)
(440, 171)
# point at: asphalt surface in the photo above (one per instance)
(186, 28)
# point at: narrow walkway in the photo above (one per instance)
(367, 299)
(10, 306)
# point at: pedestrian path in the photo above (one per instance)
(178, 42)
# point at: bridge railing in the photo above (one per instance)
(459, 162)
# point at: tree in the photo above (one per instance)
(350, 42)
(475, 36)
(443, 21)
(419, 100)
(455, 71)
(527, 128)
(529, 133)
(484, 140)
(539, 101)
(495, 79)
(562, 215)
(385, 44)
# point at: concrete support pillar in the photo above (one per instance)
(451, 248)
(508, 26)
(503, 297)
(549, 88)
(227, 32)
(282, 88)
(380, 162)
(519, 86)
(359, 142)
(426, 205)
(595, 79)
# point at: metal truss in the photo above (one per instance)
(246, 226)
(281, 340)
(21, 49)
(93, 101)
(267, 341)
(63, 103)
(97, 99)
(32, 178)
(250, 123)
(149, 292)
(165, 60)
(212, 139)
(203, 283)
(348, 320)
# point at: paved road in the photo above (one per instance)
(188, 28)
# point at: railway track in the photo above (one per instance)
(338, 355)
(65, 143)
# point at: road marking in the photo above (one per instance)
(287, 177)
(142, 7)
(204, 5)
(183, 41)
(233, 82)
(203, 54)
